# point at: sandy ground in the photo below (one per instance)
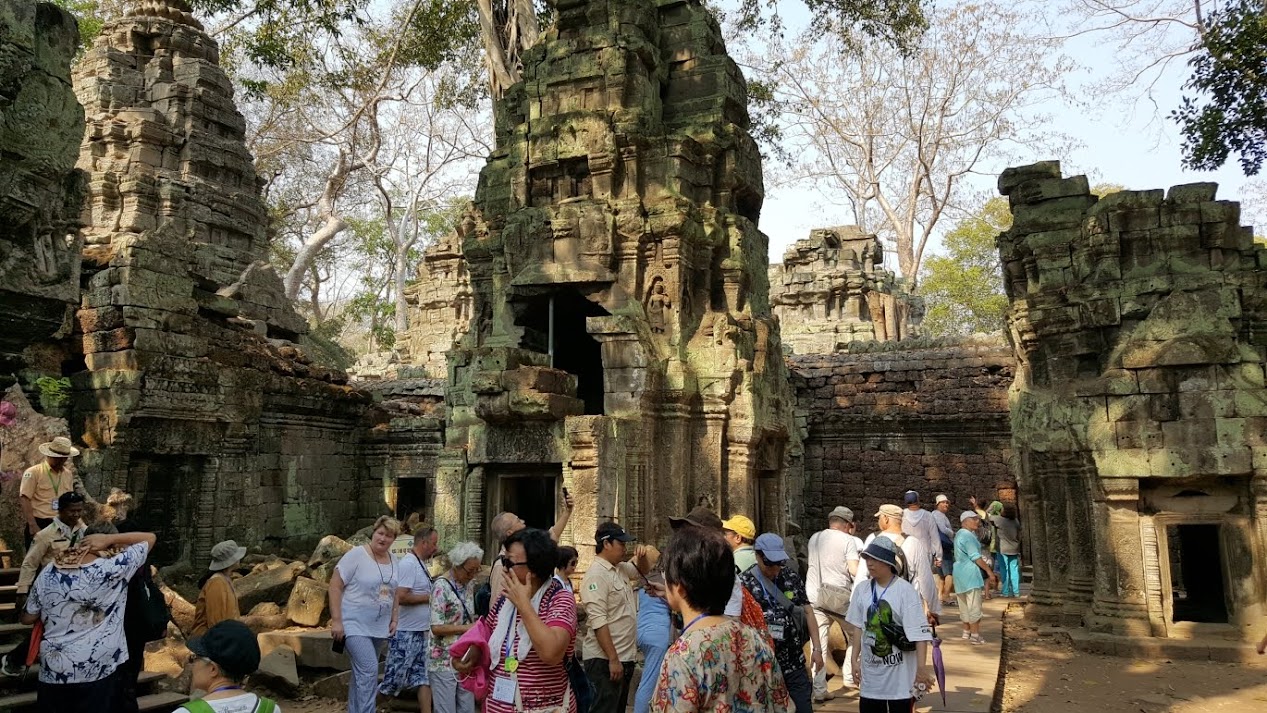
(1045, 674)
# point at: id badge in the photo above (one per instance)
(504, 690)
(776, 632)
(384, 593)
(54, 505)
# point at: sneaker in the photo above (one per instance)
(976, 640)
(824, 697)
(7, 671)
(966, 635)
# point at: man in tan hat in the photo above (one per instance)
(42, 484)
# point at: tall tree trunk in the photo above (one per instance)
(312, 247)
(402, 315)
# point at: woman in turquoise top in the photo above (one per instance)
(971, 572)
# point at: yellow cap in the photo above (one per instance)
(741, 526)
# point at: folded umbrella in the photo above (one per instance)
(939, 666)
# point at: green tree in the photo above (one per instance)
(90, 20)
(1229, 76)
(963, 288)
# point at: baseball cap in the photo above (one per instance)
(889, 511)
(911, 497)
(967, 515)
(770, 546)
(612, 531)
(841, 512)
(941, 498)
(741, 526)
(699, 517)
(231, 645)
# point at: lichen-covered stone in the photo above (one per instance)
(832, 289)
(1137, 323)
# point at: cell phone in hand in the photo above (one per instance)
(565, 492)
(338, 646)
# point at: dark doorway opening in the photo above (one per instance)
(165, 489)
(411, 497)
(575, 350)
(531, 492)
(1196, 574)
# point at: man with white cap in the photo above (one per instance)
(919, 562)
(218, 601)
(42, 484)
(779, 591)
(918, 522)
(945, 545)
(972, 571)
(833, 565)
(891, 662)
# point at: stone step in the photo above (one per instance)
(9, 575)
(161, 702)
(8, 592)
(8, 631)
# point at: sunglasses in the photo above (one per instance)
(768, 563)
(511, 564)
(471, 571)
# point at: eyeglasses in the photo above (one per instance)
(768, 563)
(194, 658)
(510, 564)
(471, 571)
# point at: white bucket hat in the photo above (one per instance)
(59, 447)
(225, 554)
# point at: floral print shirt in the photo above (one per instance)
(452, 604)
(82, 611)
(727, 668)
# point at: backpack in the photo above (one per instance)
(903, 567)
(145, 614)
(483, 599)
(263, 705)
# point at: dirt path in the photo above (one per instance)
(1045, 674)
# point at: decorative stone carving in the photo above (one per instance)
(622, 342)
(1139, 403)
(832, 289)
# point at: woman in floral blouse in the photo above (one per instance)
(452, 614)
(718, 663)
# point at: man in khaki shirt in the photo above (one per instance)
(42, 484)
(611, 608)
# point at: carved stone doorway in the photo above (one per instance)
(533, 492)
(412, 496)
(1197, 574)
(555, 324)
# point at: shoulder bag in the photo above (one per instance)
(799, 621)
(831, 597)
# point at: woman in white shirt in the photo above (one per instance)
(363, 609)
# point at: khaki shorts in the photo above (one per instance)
(970, 605)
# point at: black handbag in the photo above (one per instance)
(146, 615)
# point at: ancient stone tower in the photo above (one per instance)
(1139, 410)
(621, 342)
(192, 389)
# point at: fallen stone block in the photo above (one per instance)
(335, 686)
(330, 549)
(278, 671)
(270, 586)
(182, 611)
(314, 648)
(266, 609)
(307, 605)
(258, 624)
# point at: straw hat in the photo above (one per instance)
(59, 447)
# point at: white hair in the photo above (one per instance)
(464, 551)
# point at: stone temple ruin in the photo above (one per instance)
(605, 319)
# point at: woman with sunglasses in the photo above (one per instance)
(452, 614)
(534, 630)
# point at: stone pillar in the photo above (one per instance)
(1082, 546)
(451, 519)
(1120, 604)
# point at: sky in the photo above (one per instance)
(1122, 144)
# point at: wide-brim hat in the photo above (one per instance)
(225, 554)
(881, 549)
(700, 517)
(59, 447)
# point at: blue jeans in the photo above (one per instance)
(1009, 574)
(799, 688)
(655, 633)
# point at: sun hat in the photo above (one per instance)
(231, 646)
(225, 554)
(59, 447)
(841, 513)
(742, 526)
(892, 511)
(701, 516)
(941, 498)
(910, 497)
(967, 515)
(883, 550)
(770, 546)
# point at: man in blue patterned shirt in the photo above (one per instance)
(80, 599)
(779, 591)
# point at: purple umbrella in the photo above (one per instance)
(939, 666)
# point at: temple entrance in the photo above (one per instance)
(411, 497)
(555, 325)
(533, 492)
(1196, 574)
(166, 490)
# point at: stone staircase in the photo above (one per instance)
(18, 694)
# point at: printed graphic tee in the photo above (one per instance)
(888, 673)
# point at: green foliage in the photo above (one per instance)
(54, 392)
(324, 348)
(1228, 76)
(900, 22)
(90, 20)
(963, 289)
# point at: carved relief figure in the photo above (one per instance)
(658, 306)
(875, 305)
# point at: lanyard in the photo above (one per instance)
(875, 601)
(688, 626)
(48, 470)
(509, 644)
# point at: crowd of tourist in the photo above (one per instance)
(723, 615)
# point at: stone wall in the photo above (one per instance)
(1139, 406)
(41, 126)
(440, 304)
(832, 289)
(879, 419)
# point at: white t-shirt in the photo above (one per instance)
(830, 552)
(244, 703)
(921, 565)
(734, 607)
(414, 577)
(890, 677)
(369, 591)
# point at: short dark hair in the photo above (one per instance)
(539, 548)
(422, 531)
(566, 555)
(67, 499)
(699, 560)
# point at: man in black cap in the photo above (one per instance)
(219, 662)
(611, 607)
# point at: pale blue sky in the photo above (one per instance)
(1123, 144)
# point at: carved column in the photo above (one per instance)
(1121, 560)
(1081, 578)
